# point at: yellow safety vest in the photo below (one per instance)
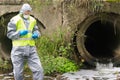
(26, 39)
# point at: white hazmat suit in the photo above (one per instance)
(21, 53)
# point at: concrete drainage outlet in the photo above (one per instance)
(5, 43)
(98, 38)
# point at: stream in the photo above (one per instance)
(102, 72)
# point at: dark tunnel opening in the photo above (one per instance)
(98, 39)
(5, 43)
(101, 39)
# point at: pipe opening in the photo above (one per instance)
(98, 38)
(5, 43)
(101, 39)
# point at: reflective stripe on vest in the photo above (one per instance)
(26, 39)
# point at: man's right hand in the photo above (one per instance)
(23, 32)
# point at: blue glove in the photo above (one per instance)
(34, 35)
(23, 32)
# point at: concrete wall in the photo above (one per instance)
(49, 15)
(61, 13)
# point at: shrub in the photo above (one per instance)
(55, 53)
(65, 65)
(58, 65)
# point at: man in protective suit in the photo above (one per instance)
(22, 30)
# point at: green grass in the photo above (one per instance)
(55, 54)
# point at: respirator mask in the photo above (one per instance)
(26, 16)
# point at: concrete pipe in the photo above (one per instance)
(5, 43)
(98, 38)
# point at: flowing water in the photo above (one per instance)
(103, 71)
(108, 65)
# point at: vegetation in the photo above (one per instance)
(5, 66)
(55, 54)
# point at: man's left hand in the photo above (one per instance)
(34, 35)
